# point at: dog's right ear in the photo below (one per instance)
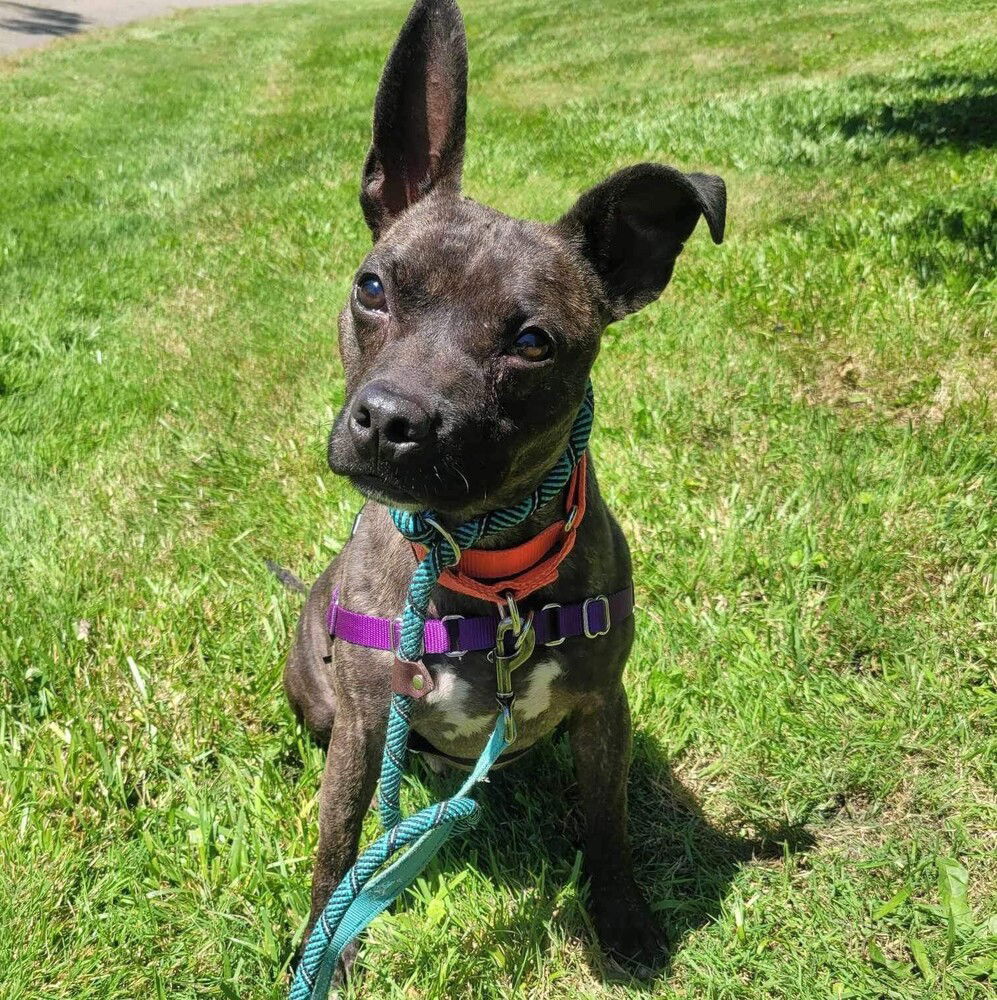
(419, 115)
(633, 225)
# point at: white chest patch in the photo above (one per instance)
(535, 700)
(452, 699)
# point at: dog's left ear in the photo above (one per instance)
(633, 225)
(419, 114)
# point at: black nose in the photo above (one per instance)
(388, 425)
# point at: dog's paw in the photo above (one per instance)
(344, 968)
(627, 929)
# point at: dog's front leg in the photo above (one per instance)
(600, 745)
(351, 772)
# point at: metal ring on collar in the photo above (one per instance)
(446, 535)
(514, 616)
(586, 628)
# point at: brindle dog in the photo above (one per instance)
(467, 342)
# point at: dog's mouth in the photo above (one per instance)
(383, 491)
(387, 486)
(438, 481)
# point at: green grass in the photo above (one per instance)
(799, 439)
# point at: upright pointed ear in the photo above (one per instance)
(633, 225)
(419, 114)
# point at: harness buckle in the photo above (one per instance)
(586, 608)
(456, 654)
(547, 607)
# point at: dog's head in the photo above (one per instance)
(468, 337)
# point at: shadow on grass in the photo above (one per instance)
(531, 830)
(966, 121)
(686, 862)
(28, 19)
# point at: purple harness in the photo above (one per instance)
(455, 635)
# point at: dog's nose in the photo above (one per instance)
(386, 424)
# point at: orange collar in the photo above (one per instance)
(492, 574)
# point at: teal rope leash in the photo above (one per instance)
(360, 896)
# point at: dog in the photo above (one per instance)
(467, 344)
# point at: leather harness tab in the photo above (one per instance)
(411, 678)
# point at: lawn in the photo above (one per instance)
(799, 439)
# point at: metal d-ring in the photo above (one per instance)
(514, 616)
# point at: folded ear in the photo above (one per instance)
(633, 225)
(419, 114)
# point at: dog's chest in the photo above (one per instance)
(459, 713)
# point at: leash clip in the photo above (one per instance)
(505, 705)
(521, 630)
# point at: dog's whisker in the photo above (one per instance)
(448, 463)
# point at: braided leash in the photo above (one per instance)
(360, 896)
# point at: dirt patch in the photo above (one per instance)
(30, 25)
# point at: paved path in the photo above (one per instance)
(26, 25)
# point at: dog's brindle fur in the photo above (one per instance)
(443, 412)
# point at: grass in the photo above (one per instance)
(800, 440)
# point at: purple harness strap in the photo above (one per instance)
(455, 635)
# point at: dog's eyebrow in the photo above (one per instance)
(403, 276)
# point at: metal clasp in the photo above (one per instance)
(514, 615)
(333, 613)
(521, 630)
(586, 628)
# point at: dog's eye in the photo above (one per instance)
(533, 344)
(370, 293)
